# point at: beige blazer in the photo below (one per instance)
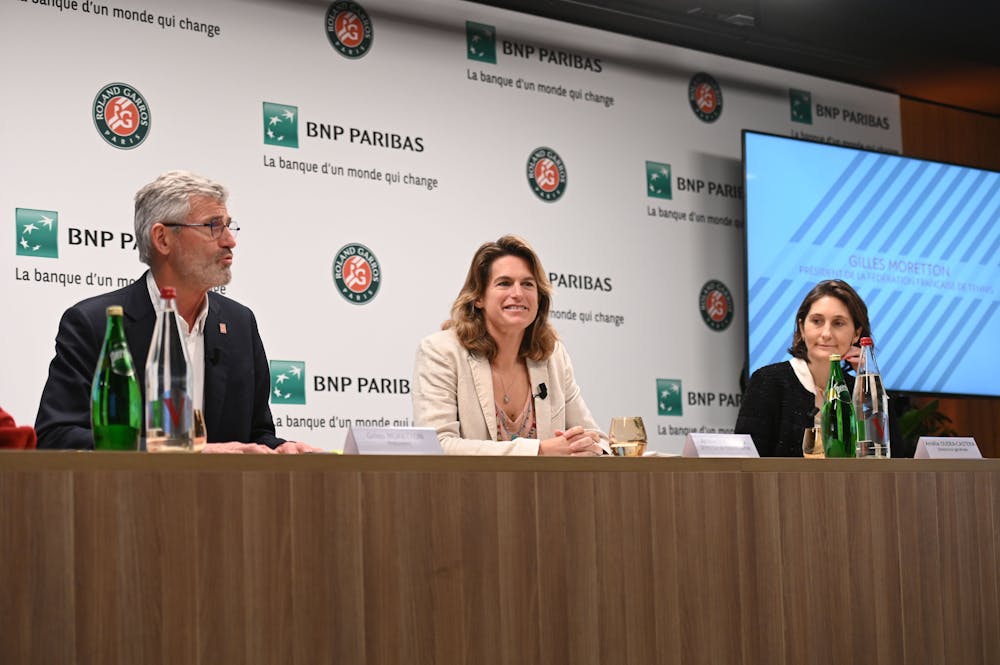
(452, 392)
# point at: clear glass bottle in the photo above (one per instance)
(169, 414)
(115, 400)
(839, 427)
(871, 405)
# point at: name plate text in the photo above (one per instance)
(699, 444)
(392, 441)
(947, 447)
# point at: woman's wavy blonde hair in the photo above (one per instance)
(467, 320)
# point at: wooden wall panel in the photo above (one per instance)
(669, 556)
(947, 134)
(762, 567)
(627, 504)
(518, 574)
(37, 592)
(221, 564)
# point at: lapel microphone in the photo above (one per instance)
(213, 357)
(543, 392)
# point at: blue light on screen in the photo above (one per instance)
(918, 240)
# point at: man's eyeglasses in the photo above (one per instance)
(215, 226)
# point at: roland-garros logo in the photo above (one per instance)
(349, 29)
(121, 115)
(716, 305)
(705, 97)
(546, 174)
(356, 273)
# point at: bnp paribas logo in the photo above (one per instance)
(658, 182)
(121, 115)
(281, 125)
(800, 106)
(357, 273)
(668, 397)
(288, 382)
(481, 42)
(705, 97)
(349, 29)
(716, 305)
(37, 232)
(546, 174)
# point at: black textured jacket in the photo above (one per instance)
(776, 409)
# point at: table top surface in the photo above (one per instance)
(38, 460)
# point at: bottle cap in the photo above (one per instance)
(834, 356)
(168, 292)
(115, 310)
(866, 341)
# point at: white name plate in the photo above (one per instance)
(947, 447)
(392, 441)
(699, 444)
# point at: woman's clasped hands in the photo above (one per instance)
(575, 441)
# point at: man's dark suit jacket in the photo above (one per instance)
(237, 380)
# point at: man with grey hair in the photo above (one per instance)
(185, 235)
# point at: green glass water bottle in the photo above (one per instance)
(116, 404)
(838, 423)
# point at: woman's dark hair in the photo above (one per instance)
(843, 292)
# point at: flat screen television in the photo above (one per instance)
(918, 240)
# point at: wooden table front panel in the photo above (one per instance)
(132, 559)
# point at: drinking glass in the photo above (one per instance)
(199, 435)
(627, 436)
(812, 443)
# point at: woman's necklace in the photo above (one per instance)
(503, 384)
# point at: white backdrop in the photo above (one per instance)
(654, 355)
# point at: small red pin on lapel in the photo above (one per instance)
(222, 328)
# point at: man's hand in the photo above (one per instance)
(237, 448)
(296, 447)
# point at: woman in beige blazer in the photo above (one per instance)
(497, 380)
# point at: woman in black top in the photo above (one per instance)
(783, 400)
